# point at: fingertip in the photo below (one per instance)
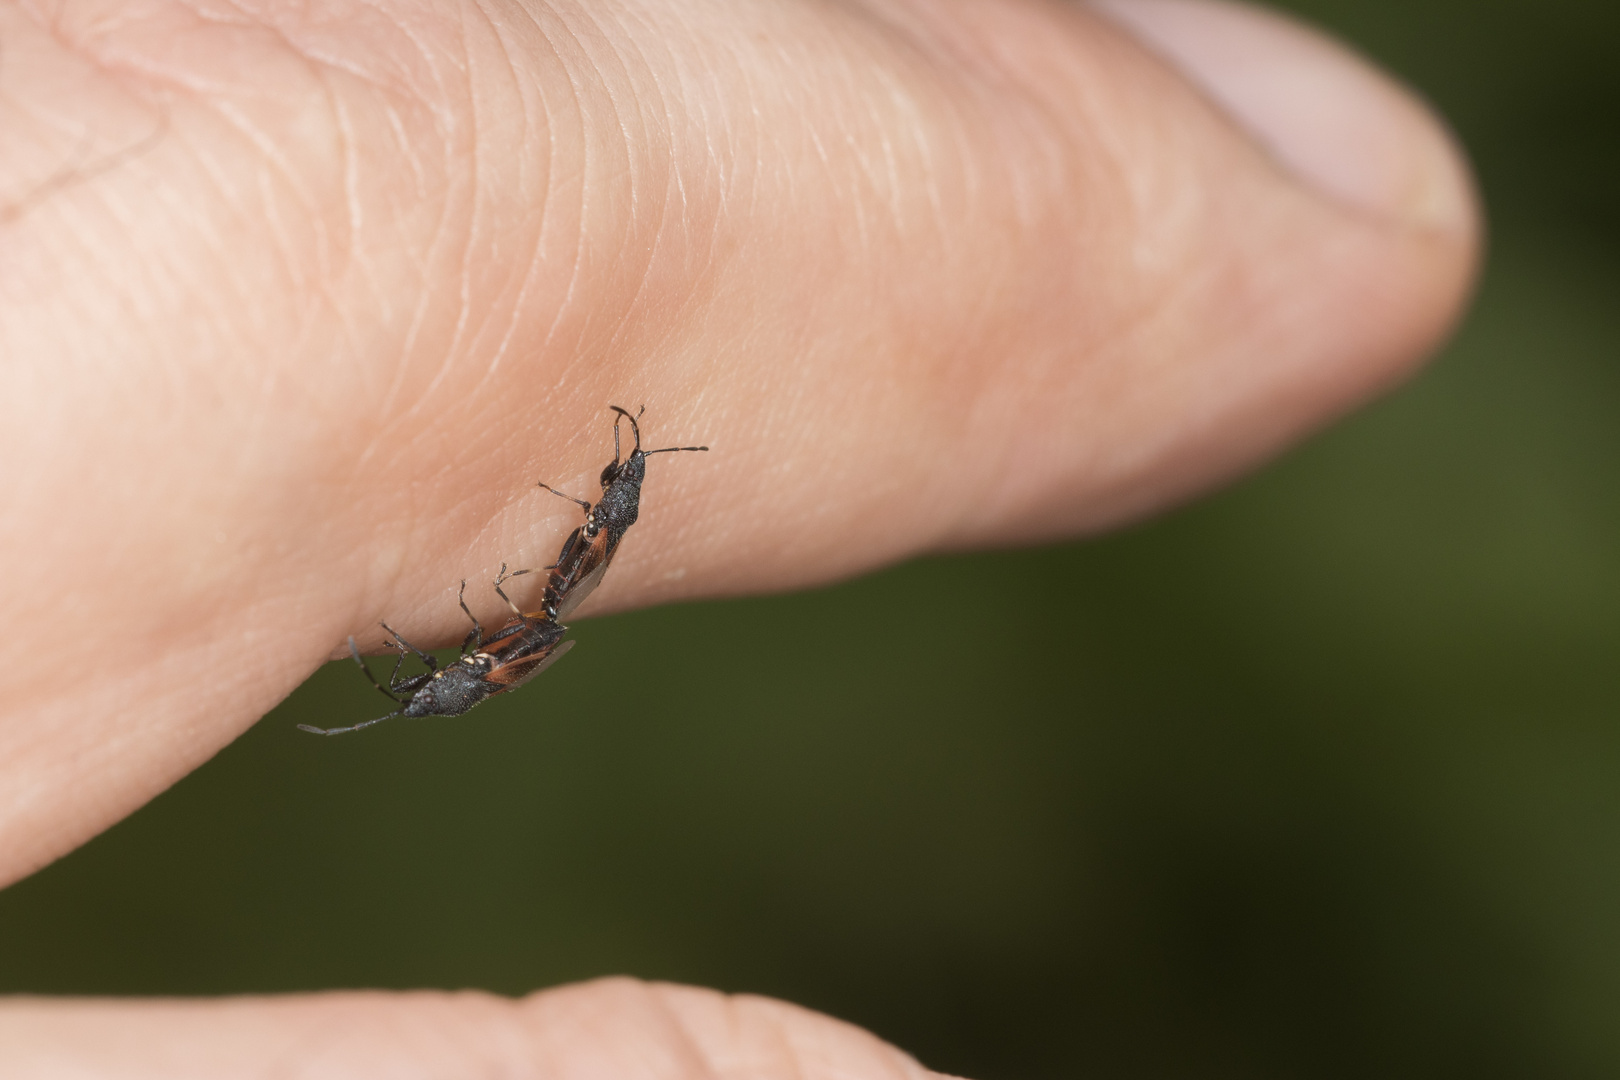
(1329, 116)
(1327, 267)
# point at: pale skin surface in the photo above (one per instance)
(298, 302)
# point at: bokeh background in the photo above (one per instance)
(1317, 778)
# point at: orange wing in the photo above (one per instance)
(513, 675)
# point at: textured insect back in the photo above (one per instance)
(514, 654)
(529, 642)
(589, 549)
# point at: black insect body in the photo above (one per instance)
(532, 641)
(589, 548)
(516, 653)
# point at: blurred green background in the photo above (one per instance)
(1317, 778)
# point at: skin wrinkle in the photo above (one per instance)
(942, 229)
(448, 129)
(235, 204)
(569, 300)
(420, 310)
(522, 272)
(913, 44)
(757, 1036)
(747, 1058)
(529, 270)
(652, 213)
(886, 142)
(882, 170)
(219, 248)
(322, 1047)
(644, 214)
(406, 147)
(863, 180)
(766, 136)
(79, 168)
(790, 177)
(1025, 197)
(469, 131)
(235, 208)
(699, 1063)
(348, 152)
(320, 79)
(689, 115)
(515, 318)
(684, 1048)
(701, 87)
(788, 1053)
(531, 273)
(326, 73)
(83, 230)
(668, 121)
(287, 246)
(396, 126)
(1042, 135)
(825, 183)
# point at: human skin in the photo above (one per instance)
(298, 302)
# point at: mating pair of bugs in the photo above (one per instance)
(533, 640)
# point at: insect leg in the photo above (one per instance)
(427, 658)
(567, 550)
(502, 593)
(567, 545)
(340, 730)
(583, 504)
(395, 683)
(354, 651)
(474, 640)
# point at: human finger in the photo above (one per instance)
(924, 275)
(618, 1028)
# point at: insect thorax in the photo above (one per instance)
(454, 690)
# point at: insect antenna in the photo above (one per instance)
(637, 429)
(340, 730)
(633, 427)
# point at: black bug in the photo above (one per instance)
(589, 548)
(514, 654)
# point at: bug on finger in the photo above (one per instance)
(517, 652)
(589, 548)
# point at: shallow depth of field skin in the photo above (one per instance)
(1319, 777)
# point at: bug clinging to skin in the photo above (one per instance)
(530, 642)
(590, 547)
(514, 654)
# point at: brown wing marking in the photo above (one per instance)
(513, 675)
(580, 589)
(576, 569)
(496, 641)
